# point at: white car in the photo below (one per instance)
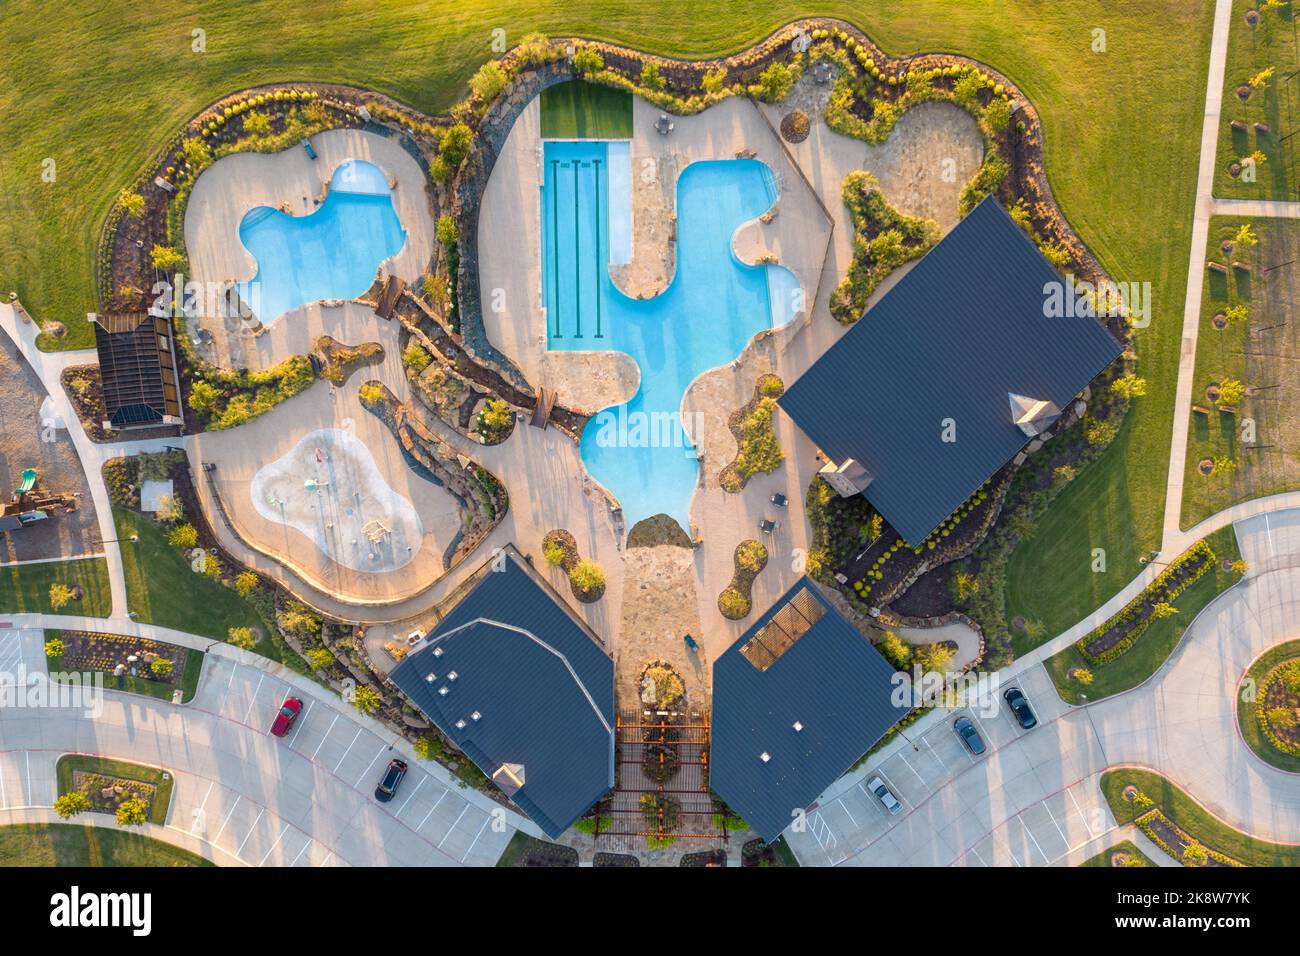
(883, 794)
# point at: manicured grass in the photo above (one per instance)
(160, 779)
(139, 685)
(579, 110)
(25, 588)
(1260, 353)
(1246, 718)
(67, 844)
(1156, 643)
(162, 589)
(1132, 204)
(1203, 826)
(1125, 846)
(1272, 43)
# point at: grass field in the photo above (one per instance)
(1246, 718)
(585, 111)
(66, 844)
(1125, 846)
(1262, 354)
(160, 779)
(1158, 641)
(25, 588)
(1102, 111)
(1203, 826)
(1272, 43)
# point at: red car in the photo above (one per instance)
(285, 716)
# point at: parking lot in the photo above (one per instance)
(1027, 800)
(304, 800)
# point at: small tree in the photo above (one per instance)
(183, 536)
(161, 667)
(170, 509)
(320, 658)
(246, 583)
(242, 637)
(1129, 386)
(775, 82)
(424, 748)
(446, 231)
(587, 575)
(131, 202)
(1261, 79)
(1224, 465)
(1237, 313)
(1231, 391)
(715, 80)
(165, 258)
(895, 651)
(455, 144)
(587, 61)
(70, 804)
(1083, 676)
(131, 812)
(366, 699)
(54, 647)
(554, 554)
(1246, 236)
(1239, 567)
(651, 78)
(60, 595)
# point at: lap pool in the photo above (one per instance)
(331, 254)
(713, 307)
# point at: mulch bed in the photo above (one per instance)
(96, 786)
(705, 858)
(539, 853)
(335, 362)
(615, 859)
(729, 478)
(86, 651)
(929, 596)
(569, 545)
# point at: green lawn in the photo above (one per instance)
(1203, 826)
(160, 779)
(1246, 718)
(162, 589)
(66, 844)
(25, 588)
(580, 110)
(133, 80)
(1260, 353)
(1272, 43)
(1158, 641)
(1125, 846)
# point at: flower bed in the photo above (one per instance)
(586, 579)
(1171, 838)
(757, 450)
(735, 601)
(1278, 709)
(1122, 631)
(85, 651)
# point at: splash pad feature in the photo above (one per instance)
(328, 487)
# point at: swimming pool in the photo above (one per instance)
(331, 254)
(713, 307)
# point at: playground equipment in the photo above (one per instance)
(30, 505)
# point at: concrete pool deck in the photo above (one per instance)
(292, 181)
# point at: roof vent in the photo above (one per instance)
(452, 676)
(765, 756)
(798, 725)
(437, 652)
(430, 677)
(460, 725)
(1032, 416)
(475, 716)
(443, 690)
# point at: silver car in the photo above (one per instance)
(883, 794)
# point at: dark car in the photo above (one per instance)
(1019, 705)
(392, 780)
(969, 735)
(285, 716)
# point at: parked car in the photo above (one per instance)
(285, 716)
(884, 795)
(969, 735)
(1020, 708)
(393, 775)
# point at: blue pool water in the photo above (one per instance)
(713, 307)
(330, 254)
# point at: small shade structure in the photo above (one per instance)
(796, 701)
(137, 368)
(517, 682)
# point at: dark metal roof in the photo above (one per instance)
(830, 680)
(958, 334)
(543, 689)
(137, 368)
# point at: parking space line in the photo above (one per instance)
(1052, 816)
(432, 808)
(1030, 834)
(3, 795)
(486, 820)
(412, 796)
(234, 668)
(294, 736)
(978, 857)
(845, 808)
(250, 831)
(238, 797)
(933, 754)
(911, 768)
(304, 849)
(1079, 810)
(453, 826)
(348, 751)
(324, 737)
(327, 859)
(275, 844)
(253, 701)
(204, 801)
(368, 766)
(28, 762)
